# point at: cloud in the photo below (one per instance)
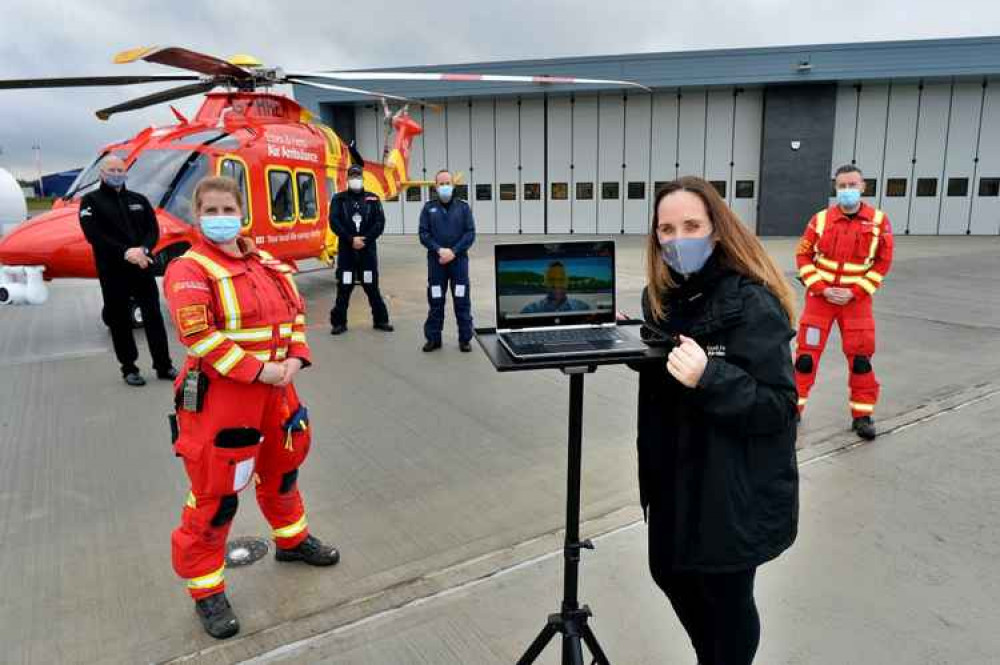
(49, 38)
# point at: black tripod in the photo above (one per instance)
(571, 621)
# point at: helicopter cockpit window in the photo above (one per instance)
(234, 169)
(279, 185)
(90, 177)
(305, 182)
(180, 197)
(199, 138)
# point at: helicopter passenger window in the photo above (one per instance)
(279, 184)
(234, 169)
(179, 198)
(305, 183)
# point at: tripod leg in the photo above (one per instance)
(595, 648)
(572, 649)
(536, 648)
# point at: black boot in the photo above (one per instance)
(431, 346)
(864, 427)
(339, 329)
(134, 379)
(311, 551)
(384, 326)
(217, 616)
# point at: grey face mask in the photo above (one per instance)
(687, 255)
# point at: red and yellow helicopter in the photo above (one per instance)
(288, 164)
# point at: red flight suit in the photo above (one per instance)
(234, 314)
(842, 251)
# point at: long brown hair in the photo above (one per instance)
(742, 251)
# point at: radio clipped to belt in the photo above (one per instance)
(191, 396)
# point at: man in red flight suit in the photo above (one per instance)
(843, 257)
(240, 421)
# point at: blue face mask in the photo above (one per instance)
(848, 198)
(445, 192)
(687, 255)
(116, 180)
(221, 228)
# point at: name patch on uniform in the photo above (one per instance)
(715, 350)
(192, 319)
(190, 286)
(135, 206)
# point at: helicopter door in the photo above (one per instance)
(234, 167)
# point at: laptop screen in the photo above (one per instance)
(555, 284)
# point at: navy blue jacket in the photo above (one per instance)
(448, 226)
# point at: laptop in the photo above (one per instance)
(557, 299)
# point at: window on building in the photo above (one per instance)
(636, 190)
(609, 191)
(584, 191)
(958, 186)
(926, 187)
(870, 188)
(484, 192)
(462, 192)
(234, 169)
(279, 184)
(532, 191)
(720, 187)
(744, 189)
(414, 194)
(305, 182)
(659, 186)
(560, 191)
(508, 192)
(989, 186)
(895, 187)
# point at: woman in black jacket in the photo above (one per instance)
(716, 425)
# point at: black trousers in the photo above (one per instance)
(716, 609)
(355, 267)
(119, 286)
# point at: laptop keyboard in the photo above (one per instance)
(574, 336)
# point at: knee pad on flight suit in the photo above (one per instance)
(227, 510)
(288, 481)
(804, 364)
(861, 365)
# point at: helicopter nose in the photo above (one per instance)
(54, 240)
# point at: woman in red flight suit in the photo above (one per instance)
(239, 313)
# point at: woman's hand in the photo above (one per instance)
(272, 374)
(292, 367)
(687, 362)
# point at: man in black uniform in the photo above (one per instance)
(356, 217)
(121, 227)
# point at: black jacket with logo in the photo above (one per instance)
(718, 461)
(343, 206)
(114, 221)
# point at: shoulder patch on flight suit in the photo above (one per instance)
(805, 246)
(192, 319)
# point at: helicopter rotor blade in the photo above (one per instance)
(359, 91)
(92, 81)
(158, 98)
(464, 78)
(183, 58)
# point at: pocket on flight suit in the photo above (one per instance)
(231, 459)
(297, 432)
(811, 330)
(858, 337)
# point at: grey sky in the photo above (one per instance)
(58, 38)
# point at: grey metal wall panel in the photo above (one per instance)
(664, 140)
(611, 155)
(794, 183)
(638, 108)
(719, 114)
(932, 131)
(560, 144)
(845, 128)
(584, 163)
(411, 209)
(507, 147)
(873, 107)
(457, 120)
(746, 154)
(691, 139)
(963, 131)
(367, 123)
(435, 141)
(904, 99)
(532, 123)
(483, 170)
(986, 209)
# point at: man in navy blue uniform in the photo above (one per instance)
(356, 217)
(447, 230)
